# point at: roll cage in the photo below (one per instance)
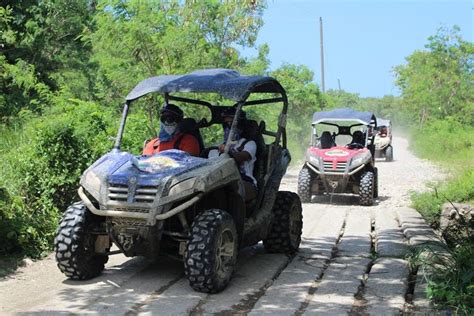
(334, 117)
(225, 82)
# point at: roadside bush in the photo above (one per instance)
(461, 189)
(450, 273)
(43, 171)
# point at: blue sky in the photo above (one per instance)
(363, 40)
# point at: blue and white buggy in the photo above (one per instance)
(174, 203)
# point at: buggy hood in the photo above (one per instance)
(120, 168)
(345, 114)
(228, 83)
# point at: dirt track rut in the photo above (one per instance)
(351, 261)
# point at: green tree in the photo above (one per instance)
(438, 82)
(41, 50)
(341, 99)
(304, 99)
(137, 39)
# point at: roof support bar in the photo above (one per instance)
(273, 100)
(118, 139)
(181, 99)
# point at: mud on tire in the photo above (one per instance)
(75, 245)
(211, 251)
(367, 188)
(304, 185)
(285, 233)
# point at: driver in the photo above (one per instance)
(170, 137)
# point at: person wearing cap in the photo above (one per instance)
(170, 137)
(241, 149)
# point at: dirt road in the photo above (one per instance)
(351, 260)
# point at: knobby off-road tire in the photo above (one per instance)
(366, 188)
(285, 233)
(304, 185)
(211, 251)
(389, 153)
(75, 245)
(376, 182)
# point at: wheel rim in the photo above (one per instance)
(225, 253)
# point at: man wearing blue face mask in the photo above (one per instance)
(170, 137)
(241, 149)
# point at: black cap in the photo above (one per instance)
(173, 110)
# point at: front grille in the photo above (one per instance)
(328, 167)
(143, 194)
(118, 193)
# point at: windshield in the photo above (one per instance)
(341, 133)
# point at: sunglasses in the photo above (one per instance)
(168, 119)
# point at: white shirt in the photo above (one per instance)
(247, 166)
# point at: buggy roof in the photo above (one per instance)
(226, 82)
(383, 122)
(340, 115)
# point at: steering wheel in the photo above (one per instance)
(355, 145)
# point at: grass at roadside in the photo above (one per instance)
(451, 278)
(458, 189)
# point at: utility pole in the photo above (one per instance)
(339, 84)
(322, 53)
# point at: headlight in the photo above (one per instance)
(91, 182)
(184, 185)
(360, 159)
(314, 160)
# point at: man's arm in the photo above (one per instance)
(247, 153)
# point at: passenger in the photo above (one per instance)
(170, 137)
(241, 149)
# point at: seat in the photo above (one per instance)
(326, 140)
(358, 138)
(189, 126)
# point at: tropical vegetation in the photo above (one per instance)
(65, 67)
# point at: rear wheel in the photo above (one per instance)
(389, 153)
(304, 185)
(74, 244)
(211, 251)
(287, 225)
(367, 188)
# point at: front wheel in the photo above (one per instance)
(285, 233)
(211, 251)
(376, 182)
(367, 188)
(74, 244)
(304, 185)
(389, 153)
